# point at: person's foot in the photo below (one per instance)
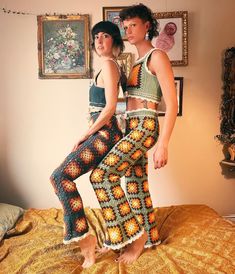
(103, 250)
(133, 250)
(87, 246)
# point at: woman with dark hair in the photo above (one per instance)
(95, 143)
(130, 218)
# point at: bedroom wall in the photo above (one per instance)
(41, 119)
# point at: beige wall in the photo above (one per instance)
(41, 119)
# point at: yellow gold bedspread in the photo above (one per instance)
(195, 239)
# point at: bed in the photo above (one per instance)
(195, 239)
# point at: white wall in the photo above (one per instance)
(41, 119)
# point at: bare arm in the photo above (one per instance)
(161, 66)
(110, 76)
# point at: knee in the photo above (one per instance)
(105, 177)
(97, 176)
(55, 179)
(56, 175)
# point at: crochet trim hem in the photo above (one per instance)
(76, 239)
(150, 245)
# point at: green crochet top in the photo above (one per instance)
(142, 83)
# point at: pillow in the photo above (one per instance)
(9, 214)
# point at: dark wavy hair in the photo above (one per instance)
(110, 28)
(144, 13)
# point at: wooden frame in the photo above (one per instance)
(179, 90)
(112, 14)
(64, 47)
(173, 36)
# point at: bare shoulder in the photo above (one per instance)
(110, 71)
(159, 61)
(109, 65)
(159, 56)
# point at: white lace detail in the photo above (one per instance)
(140, 109)
(95, 109)
(142, 97)
(150, 245)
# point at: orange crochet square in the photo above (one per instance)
(131, 227)
(124, 209)
(115, 234)
(134, 77)
(76, 204)
(80, 224)
(68, 186)
(73, 170)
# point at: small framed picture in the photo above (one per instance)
(112, 14)
(125, 61)
(179, 90)
(63, 47)
(173, 36)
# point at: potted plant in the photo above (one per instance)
(227, 107)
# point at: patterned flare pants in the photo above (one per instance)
(85, 158)
(127, 215)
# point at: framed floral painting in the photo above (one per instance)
(63, 47)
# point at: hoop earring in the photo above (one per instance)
(146, 36)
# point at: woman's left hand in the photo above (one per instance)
(160, 156)
(80, 140)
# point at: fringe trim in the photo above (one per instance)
(150, 245)
(76, 239)
(125, 243)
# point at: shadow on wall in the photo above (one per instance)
(9, 191)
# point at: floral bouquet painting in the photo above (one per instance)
(64, 51)
(63, 48)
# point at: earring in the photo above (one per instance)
(146, 36)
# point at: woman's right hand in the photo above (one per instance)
(160, 156)
(80, 140)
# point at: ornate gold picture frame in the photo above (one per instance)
(64, 47)
(173, 36)
(125, 61)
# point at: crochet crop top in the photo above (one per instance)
(142, 83)
(97, 94)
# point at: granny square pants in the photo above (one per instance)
(128, 214)
(86, 157)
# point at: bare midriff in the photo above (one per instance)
(134, 103)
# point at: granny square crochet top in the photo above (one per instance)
(142, 83)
